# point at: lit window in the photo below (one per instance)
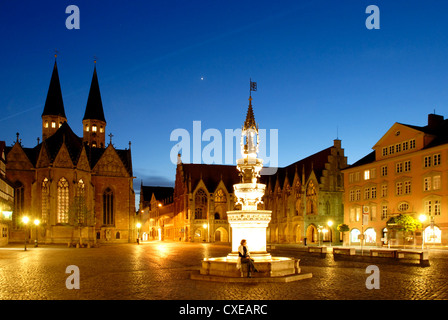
(94, 128)
(101, 129)
(46, 124)
(60, 124)
(436, 182)
(53, 124)
(63, 201)
(366, 174)
(87, 128)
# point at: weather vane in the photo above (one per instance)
(253, 87)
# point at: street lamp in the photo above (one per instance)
(330, 223)
(36, 223)
(25, 221)
(422, 219)
(205, 227)
(138, 225)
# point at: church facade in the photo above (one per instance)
(79, 188)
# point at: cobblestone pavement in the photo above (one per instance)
(161, 271)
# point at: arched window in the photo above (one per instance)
(200, 202)
(354, 235)
(220, 205)
(108, 207)
(45, 200)
(433, 234)
(63, 201)
(80, 188)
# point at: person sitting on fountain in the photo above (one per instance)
(244, 258)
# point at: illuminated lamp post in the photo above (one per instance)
(138, 225)
(422, 219)
(25, 221)
(36, 223)
(330, 223)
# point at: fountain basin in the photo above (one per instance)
(274, 269)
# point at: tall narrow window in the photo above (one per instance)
(200, 203)
(108, 207)
(63, 201)
(45, 200)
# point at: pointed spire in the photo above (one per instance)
(54, 105)
(94, 108)
(250, 118)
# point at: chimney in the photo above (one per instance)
(434, 120)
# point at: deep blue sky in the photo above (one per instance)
(318, 69)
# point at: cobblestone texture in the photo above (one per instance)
(161, 271)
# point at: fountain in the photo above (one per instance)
(250, 223)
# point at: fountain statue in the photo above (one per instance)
(250, 223)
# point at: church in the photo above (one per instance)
(80, 189)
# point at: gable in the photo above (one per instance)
(17, 159)
(399, 139)
(83, 161)
(110, 164)
(63, 159)
(43, 160)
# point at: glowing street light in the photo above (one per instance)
(422, 219)
(138, 225)
(330, 223)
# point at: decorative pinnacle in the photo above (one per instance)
(250, 118)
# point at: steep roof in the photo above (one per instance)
(211, 175)
(160, 193)
(94, 107)
(54, 104)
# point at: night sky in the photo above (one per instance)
(321, 73)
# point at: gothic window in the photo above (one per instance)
(220, 196)
(80, 188)
(200, 202)
(311, 201)
(63, 201)
(108, 207)
(45, 200)
(220, 205)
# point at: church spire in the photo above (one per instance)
(94, 122)
(94, 108)
(54, 105)
(54, 114)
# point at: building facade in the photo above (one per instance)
(156, 213)
(6, 199)
(77, 187)
(405, 174)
